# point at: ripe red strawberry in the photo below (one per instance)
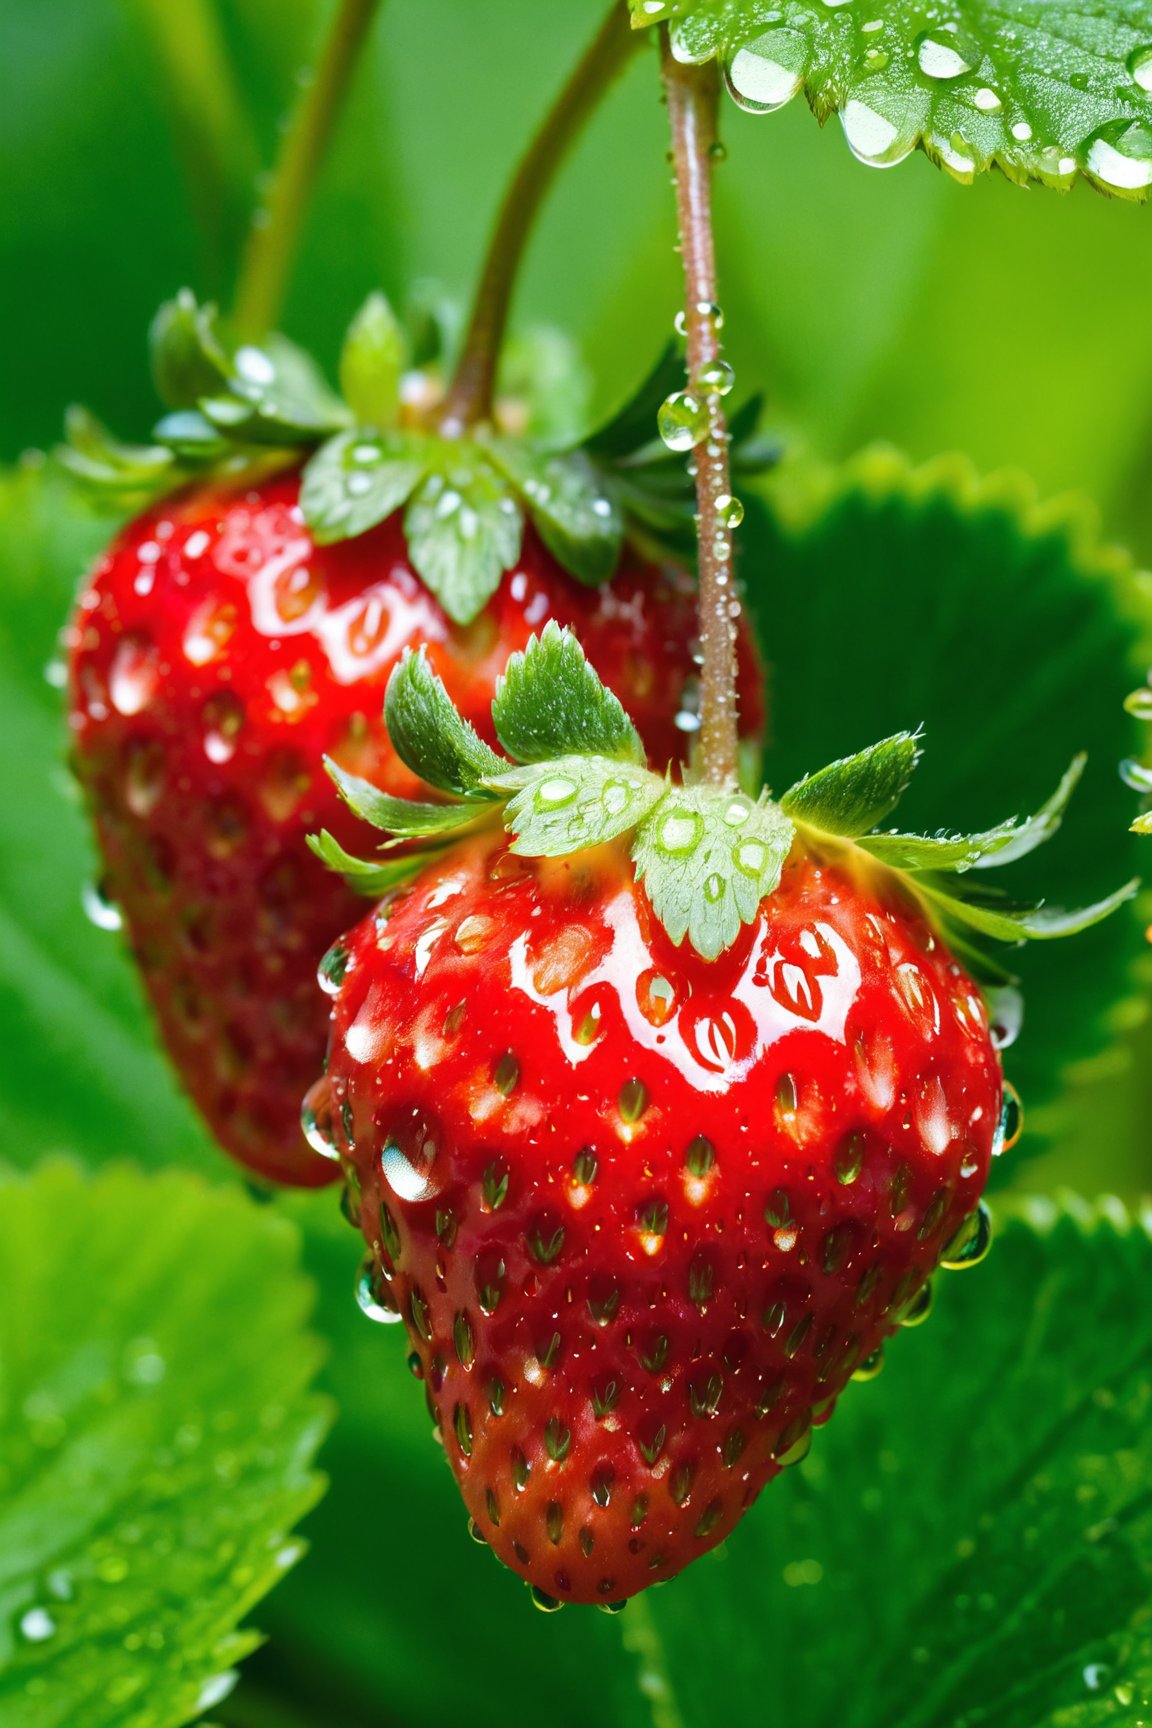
(644, 1214)
(658, 1119)
(217, 654)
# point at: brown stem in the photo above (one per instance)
(692, 94)
(272, 242)
(469, 398)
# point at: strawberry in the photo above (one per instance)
(245, 628)
(653, 1141)
(644, 1214)
(218, 654)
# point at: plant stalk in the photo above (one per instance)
(211, 128)
(470, 395)
(271, 247)
(692, 94)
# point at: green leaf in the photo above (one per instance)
(401, 817)
(549, 703)
(368, 876)
(1042, 89)
(430, 736)
(372, 363)
(1009, 921)
(1004, 625)
(1003, 844)
(575, 512)
(707, 859)
(464, 532)
(575, 801)
(358, 479)
(156, 1453)
(854, 794)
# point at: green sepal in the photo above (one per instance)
(268, 394)
(357, 480)
(403, 818)
(574, 802)
(992, 914)
(632, 426)
(464, 531)
(372, 364)
(707, 860)
(550, 703)
(575, 511)
(1003, 844)
(275, 395)
(852, 795)
(431, 737)
(367, 876)
(187, 357)
(128, 475)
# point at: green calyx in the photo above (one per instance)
(377, 448)
(575, 777)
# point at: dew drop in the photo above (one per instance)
(874, 139)
(222, 717)
(1120, 155)
(37, 1625)
(333, 969)
(408, 1163)
(764, 74)
(1139, 703)
(373, 1297)
(555, 792)
(1140, 66)
(680, 832)
(99, 907)
(942, 56)
(682, 421)
(870, 1366)
(971, 1242)
(987, 100)
(1011, 1122)
(316, 1119)
(134, 676)
(716, 378)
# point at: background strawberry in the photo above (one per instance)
(644, 1214)
(217, 654)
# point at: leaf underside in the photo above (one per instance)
(1046, 90)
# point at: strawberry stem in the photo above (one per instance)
(472, 389)
(271, 247)
(692, 94)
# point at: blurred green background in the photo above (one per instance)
(892, 306)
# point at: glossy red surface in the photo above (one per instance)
(217, 655)
(643, 1215)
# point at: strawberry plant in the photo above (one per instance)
(550, 773)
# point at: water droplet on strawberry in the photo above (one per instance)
(1011, 1124)
(317, 1119)
(99, 907)
(971, 1243)
(373, 1297)
(134, 677)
